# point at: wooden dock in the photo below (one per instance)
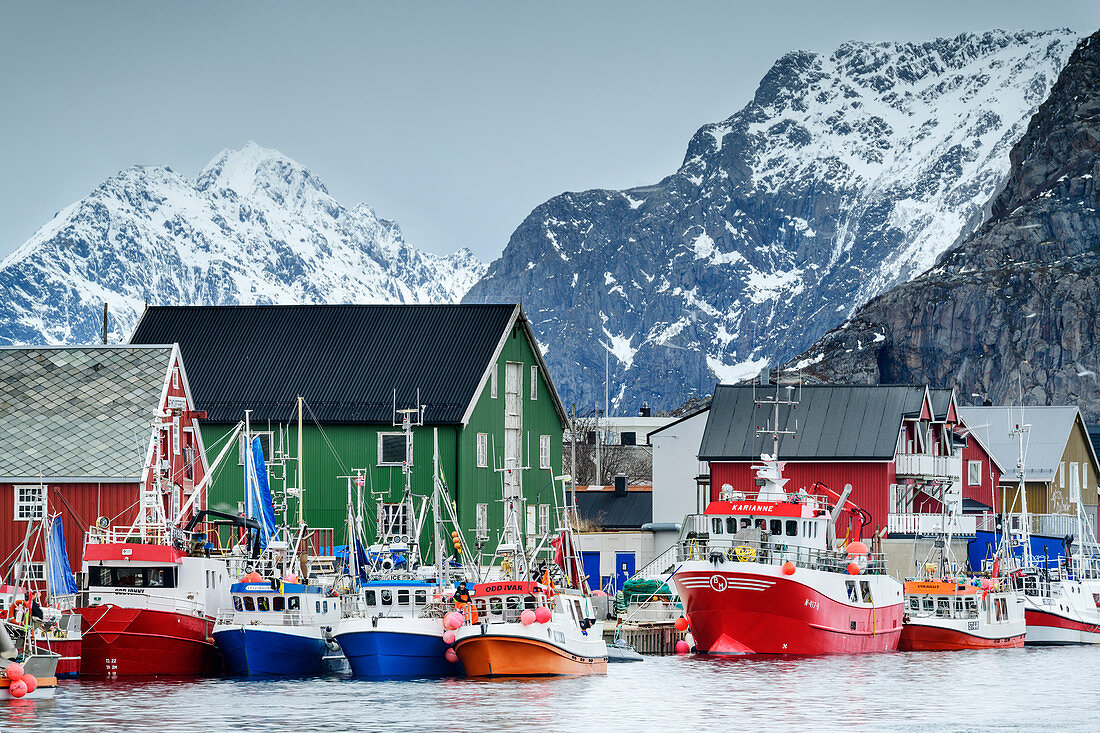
(656, 638)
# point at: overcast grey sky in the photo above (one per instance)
(454, 118)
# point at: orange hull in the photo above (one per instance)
(507, 656)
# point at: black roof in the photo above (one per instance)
(941, 401)
(344, 360)
(835, 422)
(616, 511)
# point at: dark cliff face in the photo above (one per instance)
(1010, 312)
(846, 173)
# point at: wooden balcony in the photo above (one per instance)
(961, 525)
(926, 466)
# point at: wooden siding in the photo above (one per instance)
(79, 505)
(870, 483)
(985, 492)
(1077, 454)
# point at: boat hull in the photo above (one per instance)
(761, 611)
(916, 637)
(269, 652)
(1046, 628)
(372, 652)
(493, 655)
(69, 649)
(120, 642)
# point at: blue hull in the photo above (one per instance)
(260, 652)
(394, 654)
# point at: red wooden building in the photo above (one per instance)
(81, 429)
(901, 447)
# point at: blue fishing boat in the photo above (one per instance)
(396, 631)
(278, 629)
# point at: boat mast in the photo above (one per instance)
(1026, 559)
(436, 539)
(301, 486)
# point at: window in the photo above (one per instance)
(534, 382)
(393, 519)
(1084, 478)
(265, 444)
(30, 501)
(776, 526)
(974, 473)
(189, 453)
(1062, 475)
(482, 450)
(628, 438)
(850, 585)
(544, 451)
(715, 525)
(175, 377)
(237, 603)
(132, 577)
(249, 603)
(544, 519)
(391, 449)
(731, 525)
(493, 382)
(262, 603)
(865, 589)
(176, 435)
(278, 603)
(387, 598)
(403, 597)
(792, 528)
(421, 597)
(371, 598)
(482, 521)
(293, 603)
(532, 517)
(32, 571)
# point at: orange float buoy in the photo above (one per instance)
(14, 671)
(31, 682)
(681, 624)
(18, 689)
(451, 656)
(853, 568)
(542, 614)
(788, 568)
(857, 548)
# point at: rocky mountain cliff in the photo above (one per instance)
(1011, 312)
(253, 227)
(846, 174)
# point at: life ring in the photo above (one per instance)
(3, 613)
(745, 553)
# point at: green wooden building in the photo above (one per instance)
(476, 370)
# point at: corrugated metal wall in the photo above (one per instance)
(870, 483)
(79, 505)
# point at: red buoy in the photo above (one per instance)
(451, 656)
(448, 637)
(682, 647)
(788, 568)
(857, 548)
(853, 568)
(31, 682)
(14, 671)
(542, 614)
(527, 617)
(18, 688)
(681, 624)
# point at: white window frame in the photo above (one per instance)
(30, 572)
(391, 463)
(1062, 475)
(30, 502)
(534, 383)
(176, 434)
(175, 377)
(544, 451)
(270, 445)
(482, 450)
(482, 521)
(388, 511)
(1084, 478)
(973, 468)
(494, 389)
(544, 519)
(532, 524)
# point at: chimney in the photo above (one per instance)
(765, 377)
(987, 403)
(104, 323)
(645, 411)
(620, 486)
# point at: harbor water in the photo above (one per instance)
(1006, 689)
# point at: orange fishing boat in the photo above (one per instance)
(942, 615)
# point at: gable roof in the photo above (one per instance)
(345, 360)
(835, 422)
(943, 403)
(677, 421)
(616, 511)
(79, 412)
(1044, 443)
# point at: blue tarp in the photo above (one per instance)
(59, 576)
(258, 494)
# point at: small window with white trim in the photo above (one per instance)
(482, 450)
(534, 382)
(493, 382)
(544, 451)
(30, 502)
(175, 377)
(30, 572)
(482, 521)
(544, 519)
(266, 441)
(974, 473)
(391, 449)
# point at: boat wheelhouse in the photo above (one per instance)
(279, 629)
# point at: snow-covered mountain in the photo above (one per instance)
(253, 227)
(847, 173)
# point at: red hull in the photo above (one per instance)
(122, 642)
(918, 638)
(757, 614)
(69, 664)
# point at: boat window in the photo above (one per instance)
(278, 603)
(715, 525)
(387, 598)
(815, 525)
(131, 577)
(851, 586)
(249, 603)
(731, 525)
(929, 605)
(262, 604)
(762, 524)
(324, 607)
(370, 598)
(865, 589)
(792, 528)
(237, 603)
(513, 603)
(777, 526)
(943, 607)
(972, 607)
(480, 604)
(530, 602)
(958, 607)
(317, 606)
(403, 597)
(914, 604)
(1002, 609)
(495, 605)
(292, 603)
(745, 523)
(421, 597)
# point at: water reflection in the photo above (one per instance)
(1003, 689)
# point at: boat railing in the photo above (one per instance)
(767, 552)
(1046, 525)
(154, 601)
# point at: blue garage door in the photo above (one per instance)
(624, 568)
(591, 562)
